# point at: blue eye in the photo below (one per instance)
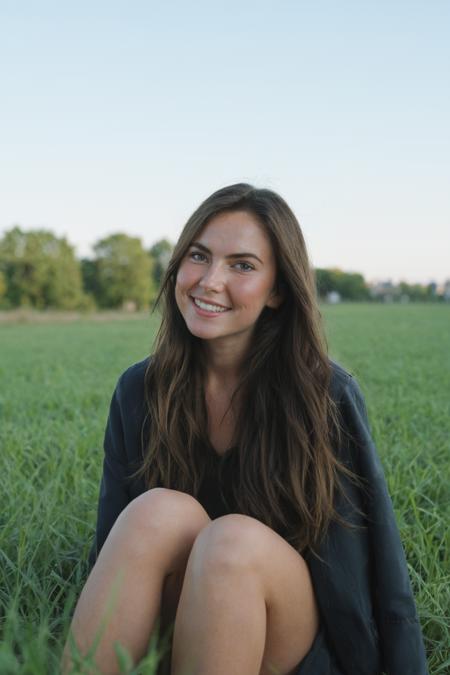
(194, 253)
(249, 267)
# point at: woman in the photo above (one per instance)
(242, 500)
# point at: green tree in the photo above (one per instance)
(350, 285)
(419, 292)
(89, 275)
(160, 253)
(324, 282)
(123, 272)
(3, 288)
(40, 270)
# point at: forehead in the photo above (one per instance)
(234, 232)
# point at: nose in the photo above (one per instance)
(213, 278)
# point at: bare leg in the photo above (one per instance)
(150, 540)
(247, 605)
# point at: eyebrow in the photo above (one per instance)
(204, 248)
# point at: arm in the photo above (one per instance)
(114, 495)
(123, 447)
(398, 626)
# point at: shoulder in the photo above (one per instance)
(341, 380)
(346, 392)
(348, 395)
(130, 385)
(134, 374)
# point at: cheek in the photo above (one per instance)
(179, 288)
(183, 279)
(253, 295)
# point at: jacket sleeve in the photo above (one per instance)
(114, 495)
(400, 637)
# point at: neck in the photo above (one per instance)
(223, 365)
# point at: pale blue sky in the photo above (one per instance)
(123, 116)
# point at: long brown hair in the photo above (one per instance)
(287, 473)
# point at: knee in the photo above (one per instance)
(230, 544)
(161, 513)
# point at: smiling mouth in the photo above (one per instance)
(209, 307)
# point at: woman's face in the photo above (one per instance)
(231, 270)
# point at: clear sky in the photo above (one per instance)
(123, 116)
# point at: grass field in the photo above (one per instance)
(56, 382)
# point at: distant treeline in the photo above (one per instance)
(40, 270)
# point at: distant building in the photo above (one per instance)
(446, 291)
(333, 297)
(384, 291)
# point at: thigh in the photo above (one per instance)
(170, 596)
(243, 543)
(292, 612)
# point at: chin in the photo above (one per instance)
(201, 334)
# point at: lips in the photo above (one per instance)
(209, 302)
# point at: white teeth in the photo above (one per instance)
(209, 308)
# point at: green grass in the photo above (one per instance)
(56, 382)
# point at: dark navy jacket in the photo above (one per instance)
(362, 586)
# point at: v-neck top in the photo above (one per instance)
(215, 493)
